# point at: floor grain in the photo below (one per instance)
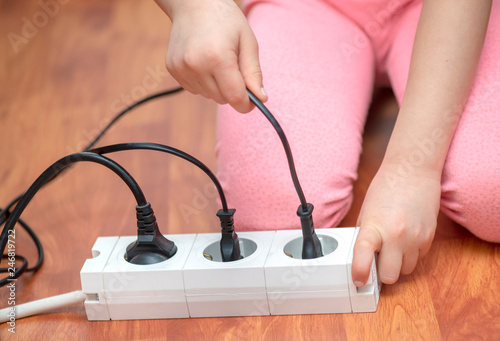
(64, 80)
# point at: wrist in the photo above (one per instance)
(418, 144)
(411, 165)
(172, 7)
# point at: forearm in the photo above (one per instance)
(398, 216)
(170, 7)
(446, 52)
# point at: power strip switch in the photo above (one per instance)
(271, 279)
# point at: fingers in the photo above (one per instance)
(231, 86)
(250, 66)
(367, 243)
(389, 264)
(221, 72)
(410, 260)
(391, 260)
(223, 83)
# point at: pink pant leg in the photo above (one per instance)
(320, 95)
(471, 176)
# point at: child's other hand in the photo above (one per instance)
(213, 52)
(398, 220)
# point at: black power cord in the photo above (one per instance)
(33, 236)
(311, 246)
(165, 149)
(151, 246)
(6, 212)
(97, 138)
(129, 108)
(229, 244)
(59, 166)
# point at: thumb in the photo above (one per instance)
(250, 66)
(368, 242)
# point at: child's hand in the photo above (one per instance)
(398, 220)
(213, 52)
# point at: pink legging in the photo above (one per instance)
(321, 60)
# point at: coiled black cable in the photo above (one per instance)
(122, 113)
(52, 171)
(10, 219)
(6, 212)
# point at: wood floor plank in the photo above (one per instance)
(463, 278)
(61, 85)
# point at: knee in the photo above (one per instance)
(471, 198)
(254, 173)
(331, 202)
(482, 227)
(271, 203)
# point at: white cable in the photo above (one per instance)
(41, 306)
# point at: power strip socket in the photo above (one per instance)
(271, 279)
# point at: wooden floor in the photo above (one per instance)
(62, 77)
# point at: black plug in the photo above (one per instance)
(311, 246)
(229, 243)
(151, 246)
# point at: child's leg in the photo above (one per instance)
(320, 94)
(471, 176)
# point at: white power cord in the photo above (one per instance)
(41, 306)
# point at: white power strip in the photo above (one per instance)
(195, 283)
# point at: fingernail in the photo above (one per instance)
(359, 284)
(263, 91)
